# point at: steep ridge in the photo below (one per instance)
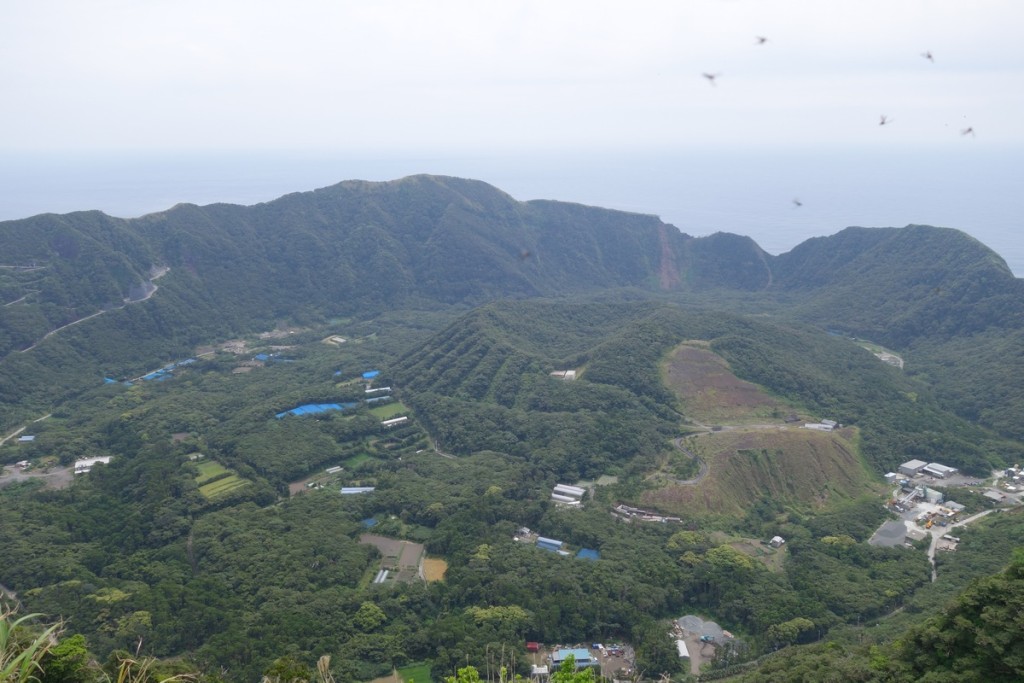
(426, 242)
(900, 285)
(491, 368)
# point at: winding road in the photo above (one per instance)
(702, 467)
(939, 532)
(160, 272)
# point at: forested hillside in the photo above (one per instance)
(490, 368)
(429, 243)
(470, 352)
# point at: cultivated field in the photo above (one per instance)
(434, 569)
(711, 394)
(389, 410)
(209, 470)
(401, 558)
(215, 480)
(221, 487)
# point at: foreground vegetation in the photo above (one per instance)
(141, 549)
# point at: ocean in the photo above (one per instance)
(971, 188)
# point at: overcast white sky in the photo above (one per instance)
(387, 75)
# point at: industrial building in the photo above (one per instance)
(549, 544)
(84, 466)
(580, 655)
(912, 468)
(934, 469)
(564, 494)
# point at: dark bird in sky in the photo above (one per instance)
(884, 120)
(761, 40)
(711, 77)
(928, 55)
(524, 254)
(797, 203)
(967, 131)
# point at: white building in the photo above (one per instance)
(912, 468)
(83, 466)
(934, 469)
(571, 491)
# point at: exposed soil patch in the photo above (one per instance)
(54, 478)
(711, 393)
(434, 569)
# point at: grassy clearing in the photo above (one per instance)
(415, 673)
(389, 410)
(222, 487)
(356, 460)
(712, 394)
(210, 470)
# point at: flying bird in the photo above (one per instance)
(711, 77)
(928, 55)
(761, 40)
(797, 203)
(967, 131)
(884, 120)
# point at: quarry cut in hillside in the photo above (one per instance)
(751, 451)
(792, 465)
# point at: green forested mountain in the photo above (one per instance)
(426, 242)
(466, 301)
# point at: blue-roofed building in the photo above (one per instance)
(549, 544)
(588, 554)
(314, 408)
(581, 655)
(352, 490)
(369, 522)
(371, 374)
(261, 357)
(107, 380)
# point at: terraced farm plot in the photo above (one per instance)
(208, 471)
(215, 480)
(712, 394)
(222, 487)
(389, 410)
(400, 558)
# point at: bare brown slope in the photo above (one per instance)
(755, 454)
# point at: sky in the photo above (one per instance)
(436, 83)
(464, 75)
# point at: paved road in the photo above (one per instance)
(160, 273)
(702, 467)
(938, 532)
